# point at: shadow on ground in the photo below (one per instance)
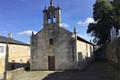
(95, 72)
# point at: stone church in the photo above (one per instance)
(55, 48)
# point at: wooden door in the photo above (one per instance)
(51, 63)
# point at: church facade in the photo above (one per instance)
(55, 48)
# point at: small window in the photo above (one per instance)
(51, 41)
(1, 49)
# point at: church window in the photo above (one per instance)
(51, 41)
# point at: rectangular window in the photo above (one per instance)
(51, 41)
(1, 49)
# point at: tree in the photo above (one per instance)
(103, 17)
(116, 13)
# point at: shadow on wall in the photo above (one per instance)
(12, 66)
(100, 54)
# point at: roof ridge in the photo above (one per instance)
(4, 39)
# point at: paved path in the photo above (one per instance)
(97, 71)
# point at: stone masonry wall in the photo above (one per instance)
(113, 55)
(111, 52)
(61, 49)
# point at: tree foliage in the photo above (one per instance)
(116, 13)
(105, 14)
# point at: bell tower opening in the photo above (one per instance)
(52, 14)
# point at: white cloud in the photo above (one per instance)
(65, 25)
(86, 22)
(27, 32)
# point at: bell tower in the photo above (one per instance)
(52, 14)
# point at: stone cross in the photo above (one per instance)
(113, 33)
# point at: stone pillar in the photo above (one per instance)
(45, 18)
(58, 15)
(75, 44)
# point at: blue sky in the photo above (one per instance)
(20, 17)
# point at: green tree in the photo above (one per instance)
(103, 16)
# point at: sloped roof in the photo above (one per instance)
(83, 40)
(78, 37)
(11, 41)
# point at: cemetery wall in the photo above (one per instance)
(111, 52)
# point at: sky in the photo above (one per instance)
(21, 17)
